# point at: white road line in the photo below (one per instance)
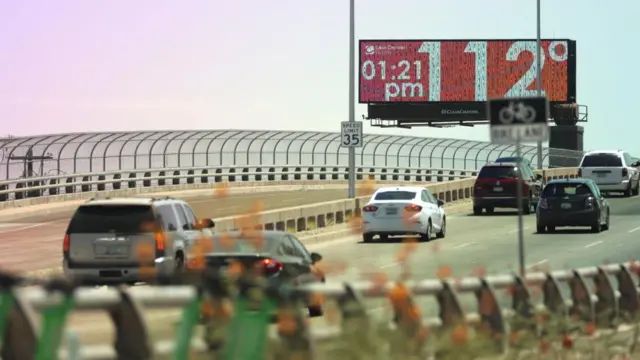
(463, 245)
(28, 227)
(389, 266)
(516, 230)
(593, 244)
(634, 230)
(537, 264)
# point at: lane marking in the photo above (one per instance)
(463, 245)
(537, 263)
(388, 265)
(516, 230)
(634, 230)
(593, 244)
(29, 226)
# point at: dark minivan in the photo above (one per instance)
(572, 202)
(496, 187)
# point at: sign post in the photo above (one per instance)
(351, 137)
(513, 121)
(352, 99)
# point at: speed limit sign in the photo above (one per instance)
(351, 134)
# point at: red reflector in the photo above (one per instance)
(67, 243)
(160, 241)
(370, 208)
(625, 172)
(413, 208)
(269, 265)
(579, 172)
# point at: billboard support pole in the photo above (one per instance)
(352, 96)
(539, 71)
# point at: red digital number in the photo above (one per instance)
(404, 71)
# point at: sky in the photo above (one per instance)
(89, 65)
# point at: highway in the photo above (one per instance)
(474, 244)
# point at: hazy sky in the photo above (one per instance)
(89, 65)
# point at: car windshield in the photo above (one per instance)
(566, 189)
(97, 219)
(601, 160)
(498, 172)
(235, 243)
(395, 195)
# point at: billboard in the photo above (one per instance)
(461, 72)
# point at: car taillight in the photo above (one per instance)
(370, 208)
(625, 172)
(588, 203)
(580, 172)
(66, 245)
(413, 208)
(269, 266)
(543, 204)
(160, 241)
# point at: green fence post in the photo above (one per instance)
(188, 321)
(248, 331)
(6, 304)
(53, 322)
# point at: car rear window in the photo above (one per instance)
(233, 243)
(395, 195)
(96, 219)
(559, 190)
(498, 172)
(601, 160)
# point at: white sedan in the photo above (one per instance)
(403, 211)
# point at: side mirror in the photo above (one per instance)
(315, 257)
(538, 176)
(440, 203)
(205, 224)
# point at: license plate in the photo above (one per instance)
(497, 189)
(391, 211)
(565, 206)
(602, 175)
(113, 250)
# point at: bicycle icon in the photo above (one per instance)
(517, 111)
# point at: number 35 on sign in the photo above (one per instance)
(351, 134)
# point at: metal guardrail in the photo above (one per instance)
(105, 151)
(19, 189)
(589, 309)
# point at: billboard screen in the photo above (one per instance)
(422, 71)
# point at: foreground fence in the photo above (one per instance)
(238, 312)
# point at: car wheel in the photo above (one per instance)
(551, 228)
(606, 224)
(490, 210)
(627, 192)
(427, 234)
(316, 311)
(636, 190)
(384, 238)
(597, 227)
(540, 229)
(526, 206)
(367, 238)
(477, 210)
(443, 231)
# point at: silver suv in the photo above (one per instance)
(612, 170)
(104, 238)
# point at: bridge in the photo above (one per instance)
(300, 179)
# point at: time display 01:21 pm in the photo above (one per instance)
(460, 70)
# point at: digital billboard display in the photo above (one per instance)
(463, 71)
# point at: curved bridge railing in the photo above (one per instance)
(115, 151)
(601, 301)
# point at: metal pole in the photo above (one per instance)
(539, 73)
(519, 199)
(352, 95)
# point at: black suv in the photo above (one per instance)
(496, 187)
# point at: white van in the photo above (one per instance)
(612, 170)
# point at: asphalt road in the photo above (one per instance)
(34, 242)
(473, 243)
